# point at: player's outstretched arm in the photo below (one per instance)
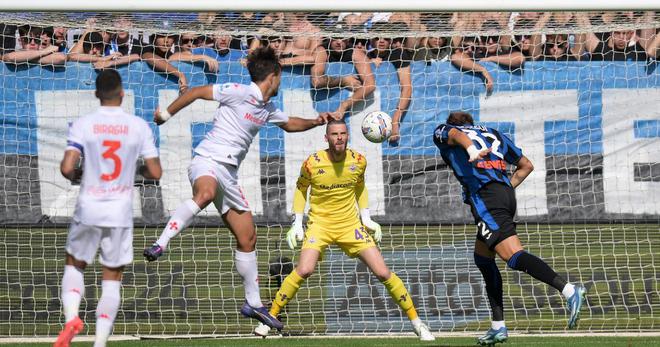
(523, 168)
(459, 138)
(295, 124)
(185, 99)
(68, 165)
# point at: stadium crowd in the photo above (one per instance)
(315, 39)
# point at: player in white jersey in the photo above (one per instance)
(213, 172)
(110, 141)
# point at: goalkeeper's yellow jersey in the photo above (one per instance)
(335, 189)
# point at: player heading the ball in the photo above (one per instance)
(111, 141)
(335, 178)
(213, 172)
(478, 157)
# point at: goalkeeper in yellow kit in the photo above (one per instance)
(336, 177)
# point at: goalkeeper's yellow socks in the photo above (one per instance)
(399, 293)
(287, 291)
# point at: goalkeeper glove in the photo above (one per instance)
(296, 231)
(371, 225)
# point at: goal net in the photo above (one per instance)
(578, 92)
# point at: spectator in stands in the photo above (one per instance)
(619, 45)
(553, 47)
(60, 39)
(221, 50)
(305, 39)
(391, 50)
(278, 43)
(36, 47)
(157, 54)
(92, 48)
(7, 39)
(433, 49)
(470, 52)
(362, 84)
(186, 43)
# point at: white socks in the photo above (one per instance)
(568, 291)
(73, 290)
(106, 311)
(246, 265)
(496, 325)
(416, 322)
(181, 218)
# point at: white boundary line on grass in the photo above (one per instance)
(8, 340)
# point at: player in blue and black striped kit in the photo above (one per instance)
(478, 156)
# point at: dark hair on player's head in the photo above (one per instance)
(262, 62)
(460, 118)
(108, 85)
(333, 121)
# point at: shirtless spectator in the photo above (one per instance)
(391, 50)
(186, 43)
(305, 35)
(36, 47)
(157, 54)
(362, 84)
(278, 43)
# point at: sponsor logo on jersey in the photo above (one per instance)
(492, 164)
(334, 186)
(254, 119)
(312, 240)
(353, 168)
(321, 172)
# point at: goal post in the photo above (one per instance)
(591, 127)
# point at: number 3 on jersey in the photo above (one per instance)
(109, 153)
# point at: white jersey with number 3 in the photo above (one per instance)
(242, 112)
(110, 141)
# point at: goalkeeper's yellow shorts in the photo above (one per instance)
(352, 240)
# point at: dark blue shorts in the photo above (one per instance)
(494, 209)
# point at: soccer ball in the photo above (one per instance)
(377, 126)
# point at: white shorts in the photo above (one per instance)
(229, 193)
(116, 244)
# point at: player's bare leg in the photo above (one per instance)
(305, 268)
(204, 191)
(511, 251)
(73, 290)
(240, 224)
(374, 260)
(108, 305)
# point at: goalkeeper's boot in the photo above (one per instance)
(574, 304)
(493, 336)
(261, 314)
(423, 332)
(154, 252)
(262, 330)
(71, 329)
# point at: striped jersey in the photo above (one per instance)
(491, 168)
